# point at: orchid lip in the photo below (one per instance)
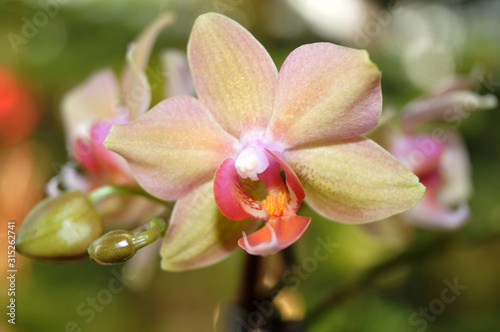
(253, 249)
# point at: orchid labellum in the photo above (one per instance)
(256, 143)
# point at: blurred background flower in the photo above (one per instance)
(50, 46)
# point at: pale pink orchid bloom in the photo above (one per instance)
(439, 157)
(90, 109)
(442, 164)
(255, 143)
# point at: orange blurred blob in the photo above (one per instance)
(22, 177)
(18, 109)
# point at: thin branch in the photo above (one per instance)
(412, 255)
(338, 296)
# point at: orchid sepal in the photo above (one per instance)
(199, 235)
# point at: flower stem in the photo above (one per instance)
(249, 282)
(106, 191)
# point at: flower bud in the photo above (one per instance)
(60, 228)
(119, 246)
(113, 248)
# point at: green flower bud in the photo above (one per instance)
(119, 246)
(60, 228)
(113, 248)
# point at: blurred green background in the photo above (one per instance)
(414, 43)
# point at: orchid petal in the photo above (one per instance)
(420, 153)
(52, 187)
(276, 235)
(429, 213)
(95, 159)
(69, 178)
(173, 148)
(234, 75)
(354, 180)
(84, 155)
(179, 79)
(455, 172)
(450, 107)
(135, 85)
(94, 99)
(325, 91)
(232, 198)
(452, 84)
(108, 161)
(199, 234)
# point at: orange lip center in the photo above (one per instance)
(275, 205)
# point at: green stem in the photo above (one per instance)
(101, 193)
(149, 233)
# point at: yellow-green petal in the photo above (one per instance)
(234, 75)
(199, 235)
(354, 180)
(173, 148)
(325, 91)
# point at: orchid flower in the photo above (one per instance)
(93, 107)
(439, 157)
(89, 110)
(255, 144)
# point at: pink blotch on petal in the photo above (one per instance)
(420, 153)
(232, 198)
(109, 161)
